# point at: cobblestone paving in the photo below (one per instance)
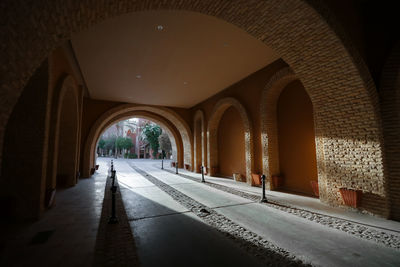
(115, 245)
(356, 229)
(265, 251)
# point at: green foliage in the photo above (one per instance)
(110, 143)
(132, 156)
(120, 142)
(127, 144)
(151, 133)
(102, 143)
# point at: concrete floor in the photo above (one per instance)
(73, 223)
(309, 241)
(168, 234)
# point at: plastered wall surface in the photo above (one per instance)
(231, 147)
(296, 139)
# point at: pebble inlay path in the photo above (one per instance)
(359, 230)
(265, 251)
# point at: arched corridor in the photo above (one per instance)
(302, 93)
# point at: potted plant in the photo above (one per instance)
(351, 197)
(173, 164)
(315, 188)
(256, 178)
(187, 167)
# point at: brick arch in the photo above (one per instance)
(331, 75)
(390, 107)
(167, 117)
(269, 131)
(65, 157)
(172, 133)
(212, 134)
(199, 116)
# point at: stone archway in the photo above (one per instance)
(199, 141)
(327, 67)
(164, 115)
(212, 135)
(269, 130)
(172, 133)
(390, 106)
(64, 134)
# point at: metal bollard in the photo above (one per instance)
(113, 219)
(176, 166)
(113, 173)
(263, 199)
(202, 174)
(162, 164)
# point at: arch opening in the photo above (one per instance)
(213, 147)
(296, 140)
(67, 152)
(126, 139)
(231, 145)
(178, 134)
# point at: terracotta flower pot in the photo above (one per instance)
(97, 167)
(351, 197)
(256, 178)
(315, 188)
(173, 164)
(187, 167)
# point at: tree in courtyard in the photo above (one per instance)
(127, 144)
(110, 143)
(165, 144)
(102, 144)
(151, 133)
(120, 144)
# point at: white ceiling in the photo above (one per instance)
(193, 57)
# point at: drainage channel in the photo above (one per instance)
(254, 244)
(358, 230)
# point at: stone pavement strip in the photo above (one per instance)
(359, 230)
(268, 253)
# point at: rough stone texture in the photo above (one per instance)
(212, 134)
(261, 248)
(199, 115)
(378, 235)
(165, 115)
(115, 245)
(343, 94)
(390, 107)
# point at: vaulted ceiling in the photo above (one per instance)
(171, 58)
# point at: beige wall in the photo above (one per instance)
(296, 139)
(248, 92)
(231, 148)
